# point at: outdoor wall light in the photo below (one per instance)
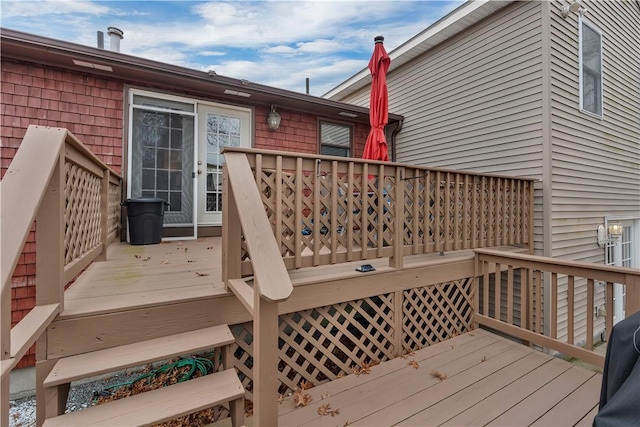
(612, 234)
(273, 119)
(574, 7)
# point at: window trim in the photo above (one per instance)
(337, 123)
(581, 22)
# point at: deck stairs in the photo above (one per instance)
(158, 405)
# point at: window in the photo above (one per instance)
(335, 139)
(590, 69)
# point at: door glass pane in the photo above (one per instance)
(162, 159)
(222, 131)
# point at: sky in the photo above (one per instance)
(276, 43)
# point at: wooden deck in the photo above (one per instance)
(489, 381)
(135, 276)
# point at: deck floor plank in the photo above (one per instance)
(538, 403)
(571, 409)
(499, 402)
(453, 405)
(365, 389)
(490, 379)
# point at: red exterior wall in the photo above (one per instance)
(92, 108)
(89, 106)
(298, 132)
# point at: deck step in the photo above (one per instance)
(158, 405)
(243, 291)
(99, 362)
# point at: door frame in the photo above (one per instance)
(634, 255)
(159, 95)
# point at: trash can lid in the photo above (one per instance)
(145, 200)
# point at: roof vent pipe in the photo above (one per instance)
(115, 35)
(100, 40)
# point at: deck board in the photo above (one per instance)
(146, 275)
(490, 380)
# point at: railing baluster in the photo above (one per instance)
(447, 213)
(608, 304)
(350, 217)
(278, 204)
(457, 219)
(415, 233)
(364, 211)
(382, 203)
(539, 300)
(590, 313)
(485, 289)
(397, 260)
(298, 214)
(497, 296)
(570, 309)
(334, 212)
(437, 228)
(510, 294)
(553, 306)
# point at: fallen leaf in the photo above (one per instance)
(439, 375)
(365, 368)
(202, 274)
(484, 359)
(186, 250)
(146, 259)
(414, 364)
(281, 399)
(472, 335)
(325, 395)
(164, 261)
(346, 424)
(306, 385)
(408, 353)
(324, 410)
(340, 375)
(209, 247)
(137, 256)
(301, 398)
(189, 260)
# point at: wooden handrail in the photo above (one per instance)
(268, 266)
(329, 159)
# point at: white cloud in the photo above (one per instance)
(46, 7)
(278, 43)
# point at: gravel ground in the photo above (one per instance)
(22, 412)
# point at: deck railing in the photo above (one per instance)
(326, 210)
(75, 200)
(511, 298)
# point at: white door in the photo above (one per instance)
(623, 253)
(219, 126)
(161, 154)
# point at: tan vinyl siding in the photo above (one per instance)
(474, 102)
(596, 162)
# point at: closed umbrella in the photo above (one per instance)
(376, 146)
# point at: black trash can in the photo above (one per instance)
(145, 217)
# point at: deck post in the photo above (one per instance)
(50, 233)
(104, 214)
(632, 298)
(52, 401)
(265, 359)
(396, 261)
(231, 233)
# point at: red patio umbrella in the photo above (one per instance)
(376, 146)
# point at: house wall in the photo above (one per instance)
(89, 106)
(595, 162)
(92, 108)
(474, 102)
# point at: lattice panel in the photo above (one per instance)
(114, 208)
(82, 212)
(434, 313)
(321, 344)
